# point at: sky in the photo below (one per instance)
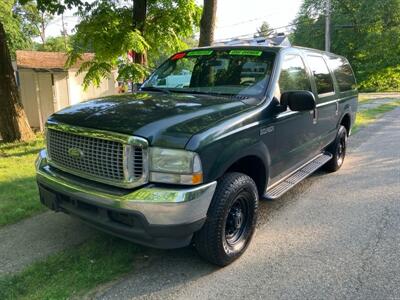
(234, 17)
(241, 17)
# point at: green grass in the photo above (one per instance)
(366, 117)
(18, 192)
(72, 272)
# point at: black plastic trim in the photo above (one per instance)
(130, 225)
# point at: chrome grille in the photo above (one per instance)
(99, 159)
(137, 162)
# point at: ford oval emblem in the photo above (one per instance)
(75, 153)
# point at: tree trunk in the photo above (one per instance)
(14, 125)
(207, 23)
(43, 28)
(138, 23)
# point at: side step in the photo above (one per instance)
(303, 172)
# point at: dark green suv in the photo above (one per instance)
(187, 158)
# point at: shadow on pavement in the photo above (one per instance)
(165, 269)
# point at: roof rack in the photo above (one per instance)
(281, 40)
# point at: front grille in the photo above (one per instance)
(137, 162)
(95, 158)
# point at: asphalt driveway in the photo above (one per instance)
(334, 236)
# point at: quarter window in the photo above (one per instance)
(294, 76)
(343, 73)
(323, 78)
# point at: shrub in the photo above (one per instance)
(387, 79)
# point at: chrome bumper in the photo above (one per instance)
(158, 204)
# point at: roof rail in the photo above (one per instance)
(277, 40)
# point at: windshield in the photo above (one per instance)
(221, 72)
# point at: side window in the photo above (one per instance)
(343, 73)
(323, 78)
(294, 76)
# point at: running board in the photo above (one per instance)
(303, 172)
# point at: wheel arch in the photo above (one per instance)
(254, 163)
(346, 122)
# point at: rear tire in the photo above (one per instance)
(338, 150)
(231, 220)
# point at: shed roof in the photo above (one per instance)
(47, 60)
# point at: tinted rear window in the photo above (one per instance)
(343, 73)
(323, 78)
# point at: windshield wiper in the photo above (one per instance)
(204, 93)
(155, 89)
(247, 99)
(220, 94)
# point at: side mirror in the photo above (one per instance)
(278, 107)
(299, 100)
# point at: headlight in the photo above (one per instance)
(175, 166)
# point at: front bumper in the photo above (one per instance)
(154, 215)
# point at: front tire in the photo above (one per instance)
(231, 220)
(338, 150)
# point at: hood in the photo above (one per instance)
(164, 120)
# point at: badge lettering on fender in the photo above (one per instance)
(266, 130)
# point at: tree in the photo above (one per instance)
(34, 20)
(207, 23)
(18, 36)
(122, 33)
(365, 31)
(55, 44)
(157, 57)
(129, 36)
(13, 122)
(265, 30)
(139, 23)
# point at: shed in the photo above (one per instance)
(46, 86)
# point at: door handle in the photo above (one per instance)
(314, 113)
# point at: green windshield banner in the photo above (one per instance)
(199, 53)
(246, 52)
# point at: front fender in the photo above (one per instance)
(234, 153)
(221, 153)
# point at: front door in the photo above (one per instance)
(295, 134)
(327, 104)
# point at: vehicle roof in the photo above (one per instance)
(275, 49)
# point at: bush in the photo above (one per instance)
(385, 80)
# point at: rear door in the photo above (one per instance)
(294, 131)
(346, 85)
